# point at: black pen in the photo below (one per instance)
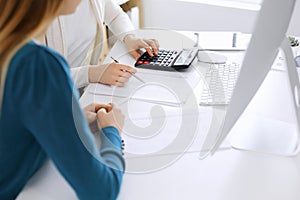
(135, 76)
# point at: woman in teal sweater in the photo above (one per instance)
(40, 116)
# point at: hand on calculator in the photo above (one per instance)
(134, 45)
(167, 60)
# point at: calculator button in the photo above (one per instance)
(140, 62)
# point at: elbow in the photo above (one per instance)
(107, 186)
(112, 185)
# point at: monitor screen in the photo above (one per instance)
(270, 29)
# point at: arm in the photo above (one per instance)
(80, 76)
(119, 23)
(50, 110)
(116, 19)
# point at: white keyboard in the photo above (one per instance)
(219, 84)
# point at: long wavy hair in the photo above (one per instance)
(20, 21)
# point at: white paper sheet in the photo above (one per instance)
(166, 89)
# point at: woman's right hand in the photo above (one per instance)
(113, 118)
(111, 74)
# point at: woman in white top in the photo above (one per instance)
(75, 34)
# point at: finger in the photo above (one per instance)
(101, 112)
(110, 107)
(153, 46)
(146, 46)
(156, 43)
(155, 51)
(100, 106)
(122, 70)
(128, 68)
(91, 116)
(90, 107)
(135, 54)
(116, 77)
(114, 83)
(122, 79)
(114, 107)
(119, 84)
(117, 67)
(126, 75)
(149, 51)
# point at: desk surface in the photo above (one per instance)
(228, 175)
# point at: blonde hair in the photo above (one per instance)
(20, 21)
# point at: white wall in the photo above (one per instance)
(294, 28)
(184, 15)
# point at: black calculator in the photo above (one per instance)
(167, 60)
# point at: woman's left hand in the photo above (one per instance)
(134, 45)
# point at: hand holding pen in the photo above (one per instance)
(115, 74)
(133, 74)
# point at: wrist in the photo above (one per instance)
(94, 74)
(128, 37)
(107, 125)
(113, 134)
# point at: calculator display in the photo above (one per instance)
(183, 57)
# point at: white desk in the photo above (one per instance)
(228, 175)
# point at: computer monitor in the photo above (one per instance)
(268, 36)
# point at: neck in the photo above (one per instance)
(41, 38)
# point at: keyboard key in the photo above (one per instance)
(220, 80)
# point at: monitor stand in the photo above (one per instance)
(255, 132)
(265, 135)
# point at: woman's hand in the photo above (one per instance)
(90, 113)
(113, 118)
(111, 74)
(134, 45)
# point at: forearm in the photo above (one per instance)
(80, 76)
(111, 148)
(111, 157)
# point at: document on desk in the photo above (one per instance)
(164, 89)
